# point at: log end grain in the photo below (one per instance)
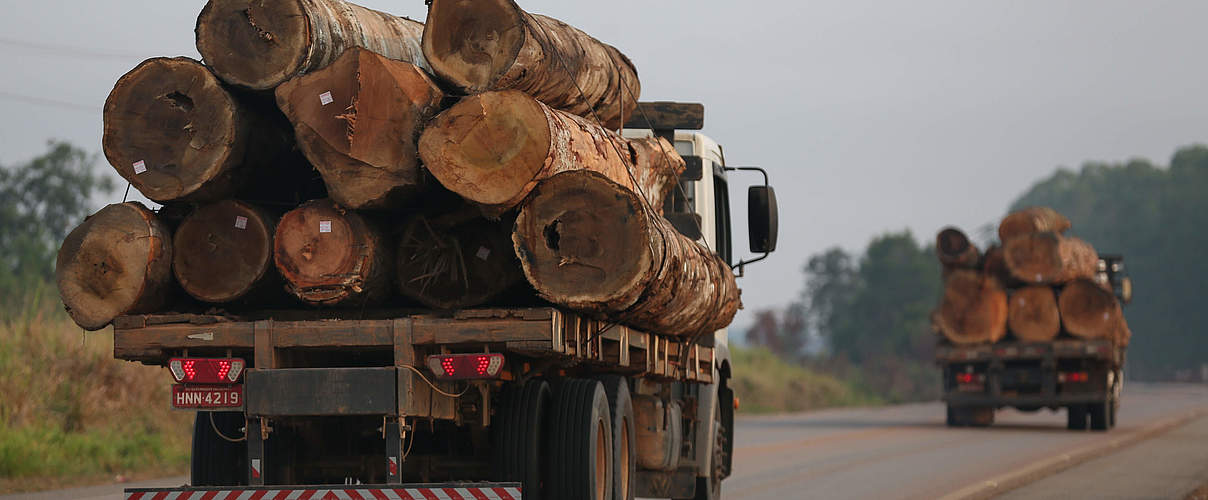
(457, 264)
(973, 309)
(173, 131)
(223, 250)
(1032, 314)
(584, 243)
(119, 261)
(1044, 258)
(1032, 220)
(955, 249)
(488, 147)
(329, 255)
(472, 43)
(1091, 311)
(254, 44)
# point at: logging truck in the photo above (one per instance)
(465, 403)
(1084, 376)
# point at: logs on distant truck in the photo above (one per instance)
(259, 44)
(358, 121)
(482, 45)
(494, 148)
(1032, 314)
(1049, 258)
(973, 309)
(590, 244)
(1091, 311)
(119, 261)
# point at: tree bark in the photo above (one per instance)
(973, 309)
(457, 260)
(1049, 258)
(1091, 311)
(332, 256)
(1032, 314)
(358, 121)
(119, 261)
(260, 45)
(481, 45)
(224, 252)
(955, 250)
(591, 245)
(174, 132)
(1032, 220)
(494, 148)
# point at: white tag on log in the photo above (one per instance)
(140, 167)
(325, 98)
(324, 226)
(483, 253)
(240, 222)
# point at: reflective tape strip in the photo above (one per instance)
(474, 493)
(438, 493)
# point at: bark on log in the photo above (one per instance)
(589, 244)
(494, 148)
(224, 252)
(358, 121)
(1032, 220)
(174, 132)
(481, 45)
(973, 309)
(955, 250)
(1090, 311)
(260, 45)
(457, 260)
(332, 256)
(1049, 258)
(119, 261)
(1032, 314)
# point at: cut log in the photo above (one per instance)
(1032, 314)
(973, 309)
(1090, 311)
(1032, 220)
(259, 45)
(358, 121)
(481, 45)
(955, 250)
(591, 245)
(332, 256)
(1049, 258)
(119, 261)
(494, 148)
(174, 132)
(224, 252)
(457, 261)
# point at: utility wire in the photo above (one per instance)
(69, 51)
(47, 102)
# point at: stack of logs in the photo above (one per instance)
(1036, 285)
(350, 158)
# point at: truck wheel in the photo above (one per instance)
(709, 488)
(954, 417)
(624, 448)
(1099, 415)
(1076, 418)
(1112, 409)
(977, 416)
(217, 461)
(518, 450)
(580, 443)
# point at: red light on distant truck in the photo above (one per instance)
(1073, 377)
(465, 366)
(206, 370)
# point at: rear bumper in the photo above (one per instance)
(451, 491)
(976, 399)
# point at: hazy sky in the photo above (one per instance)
(870, 116)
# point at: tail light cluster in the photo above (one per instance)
(1079, 377)
(206, 370)
(465, 366)
(970, 378)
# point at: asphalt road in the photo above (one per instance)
(1158, 450)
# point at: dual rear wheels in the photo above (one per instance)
(970, 416)
(1101, 416)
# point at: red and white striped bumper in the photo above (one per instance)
(327, 493)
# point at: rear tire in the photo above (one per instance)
(518, 446)
(953, 419)
(624, 432)
(709, 488)
(217, 461)
(580, 443)
(1076, 418)
(1099, 415)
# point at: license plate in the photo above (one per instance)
(203, 396)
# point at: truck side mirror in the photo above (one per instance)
(762, 218)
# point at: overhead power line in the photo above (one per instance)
(47, 102)
(69, 51)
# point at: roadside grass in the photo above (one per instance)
(764, 383)
(70, 414)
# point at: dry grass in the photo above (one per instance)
(766, 384)
(71, 414)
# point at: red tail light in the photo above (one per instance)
(466, 366)
(969, 378)
(1073, 377)
(206, 370)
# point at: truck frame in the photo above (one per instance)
(356, 397)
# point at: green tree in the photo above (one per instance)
(40, 202)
